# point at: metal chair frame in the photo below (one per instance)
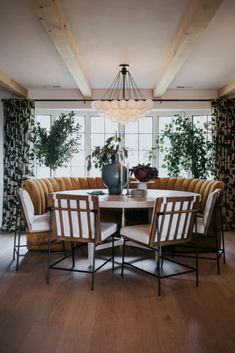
(96, 239)
(158, 246)
(211, 228)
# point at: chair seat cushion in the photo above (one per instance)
(41, 223)
(138, 233)
(200, 225)
(107, 229)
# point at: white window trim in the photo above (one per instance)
(88, 113)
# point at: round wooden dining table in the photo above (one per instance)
(128, 201)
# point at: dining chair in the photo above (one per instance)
(172, 223)
(28, 222)
(76, 219)
(210, 225)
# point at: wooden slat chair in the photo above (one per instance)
(172, 223)
(27, 221)
(76, 219)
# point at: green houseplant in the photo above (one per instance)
(55, 147)
(102, 156)
(106, 158)
(185, 148)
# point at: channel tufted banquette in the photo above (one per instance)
(39, 189)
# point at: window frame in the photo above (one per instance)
(88, 113)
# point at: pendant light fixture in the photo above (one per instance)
(123, 102)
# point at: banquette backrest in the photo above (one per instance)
(39, 189)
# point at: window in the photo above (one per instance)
(77, 164)
(45, 122)
(139, 137)
(101, 129)
(163, 121)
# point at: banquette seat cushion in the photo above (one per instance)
(39, 190)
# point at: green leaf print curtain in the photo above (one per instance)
(223, 130)
(18, 155)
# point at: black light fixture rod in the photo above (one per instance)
(124, 72)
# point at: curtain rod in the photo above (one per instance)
(153, 99)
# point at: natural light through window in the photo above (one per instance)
(138, 137)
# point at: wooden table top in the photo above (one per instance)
(126, 201)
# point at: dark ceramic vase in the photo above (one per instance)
(111, 175)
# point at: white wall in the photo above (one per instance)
(3, 94)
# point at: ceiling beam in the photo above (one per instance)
(12, 85)
(227, 90)
(52, 19)
(193, 25)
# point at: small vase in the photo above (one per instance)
(142, 185)
(114, 176)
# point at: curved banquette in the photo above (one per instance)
(39, 189)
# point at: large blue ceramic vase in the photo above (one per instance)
(111, 175)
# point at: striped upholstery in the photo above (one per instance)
(39, 189)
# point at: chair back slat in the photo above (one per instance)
(76, 218)
(173, 219)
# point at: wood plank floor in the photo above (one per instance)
(122, 315)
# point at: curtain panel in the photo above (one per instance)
(223, 132)
(18, 153)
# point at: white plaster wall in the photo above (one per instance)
(3, 94)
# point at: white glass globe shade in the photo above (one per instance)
(122, 114)
(114, 104)
(140, 105)
(114, 112)
(122, 104)
(131, 104)
(96, 105)
(106, 106)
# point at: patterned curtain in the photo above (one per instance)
(223, 129)
(18, 153)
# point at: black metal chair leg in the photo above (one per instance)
(14, 244)
(217, 252)
(196, 260)
(223, 249)
(73, 254)
(158, 273)
(18, 250)
(113, 253)
(93, 270)
(123, 255)
(49, 251)
(162, 257)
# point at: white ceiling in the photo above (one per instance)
(111, 32)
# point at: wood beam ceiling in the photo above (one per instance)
(227, 90)
(12, 85)
(193, 25)
(52, 19)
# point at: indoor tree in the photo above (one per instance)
(56, 147)
(185, 148)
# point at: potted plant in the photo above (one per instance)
(187, 150)
(106, 159)
(55, 147)
(144, 172)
